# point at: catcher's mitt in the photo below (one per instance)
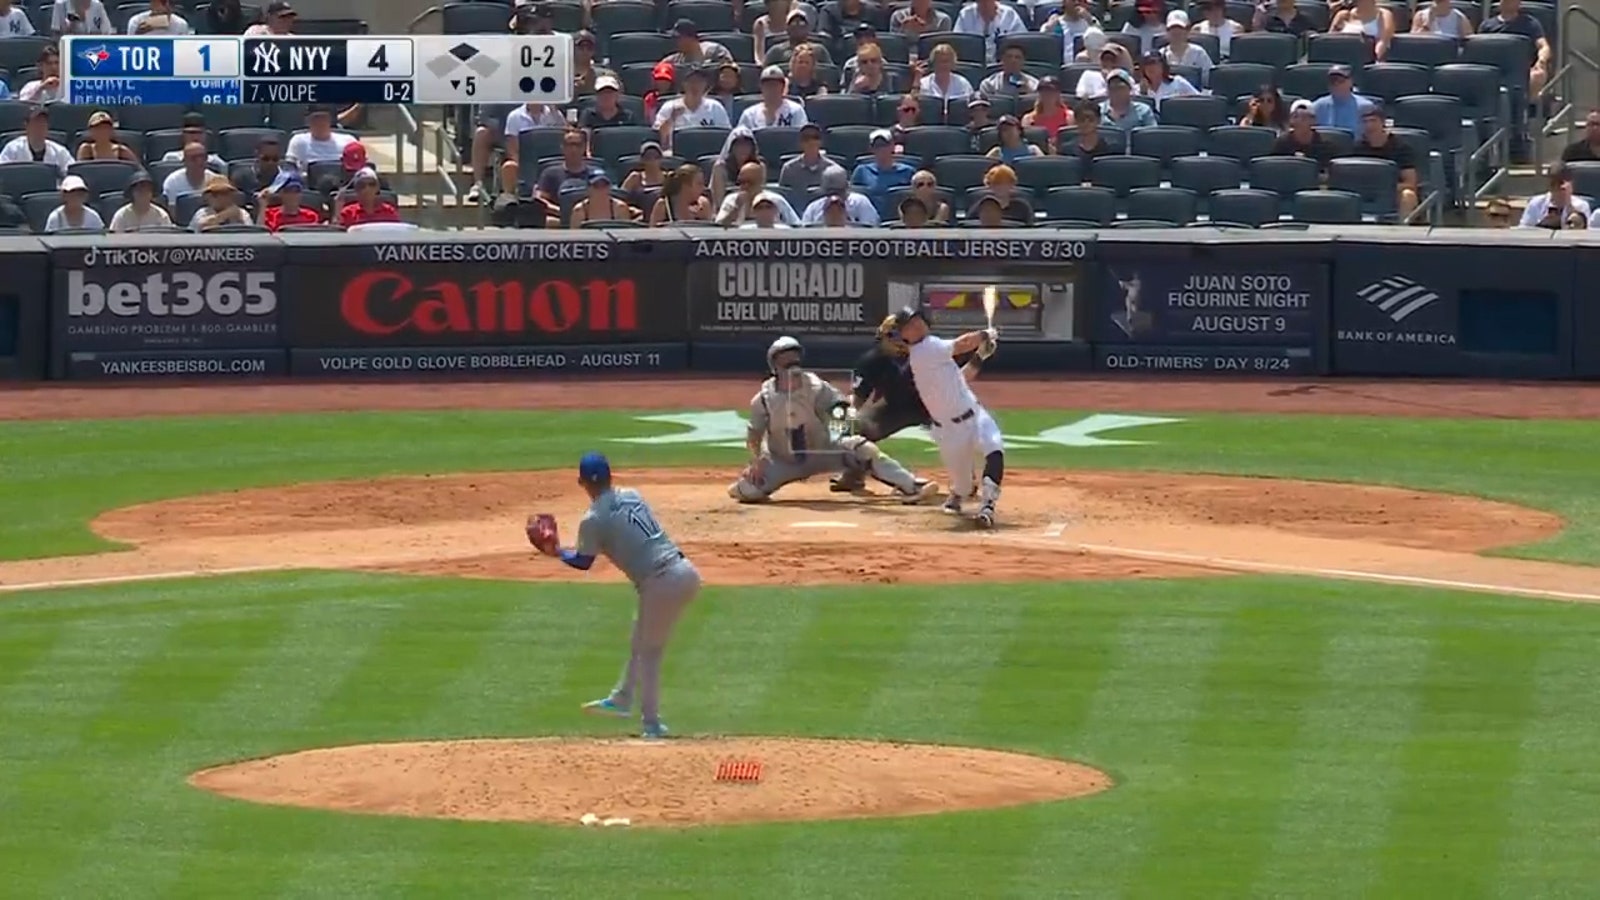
(542, 533)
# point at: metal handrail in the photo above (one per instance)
(1495, 150)
(1561, 121)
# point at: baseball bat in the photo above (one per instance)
(991, 302)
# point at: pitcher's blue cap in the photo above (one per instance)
(594, 468)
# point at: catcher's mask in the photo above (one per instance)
(781, 346)
(889, 336)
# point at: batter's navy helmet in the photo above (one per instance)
(907, 313)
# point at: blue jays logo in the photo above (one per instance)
(96, 56)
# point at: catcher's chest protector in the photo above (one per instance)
(794, 419)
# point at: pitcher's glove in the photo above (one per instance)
(542, 533)
(986, 347)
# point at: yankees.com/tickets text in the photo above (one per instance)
(479, 362)
(543, 251)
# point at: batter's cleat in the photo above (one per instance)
(924, 490)
(952, 504)
(653, 731)
(985, 517)
(847, 484)
(606, 707)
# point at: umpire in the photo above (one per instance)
(885, 396)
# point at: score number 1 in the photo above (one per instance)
(205, 58)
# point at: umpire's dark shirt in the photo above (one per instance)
(878, 371)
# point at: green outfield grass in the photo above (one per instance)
(1271, 737)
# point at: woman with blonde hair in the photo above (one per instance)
(803, 74)
(944, 82)
(683, 197)
(925, 187)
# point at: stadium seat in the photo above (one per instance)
(1244, 206)
(742, 46)
(19, 53)
(1308, 80)
(1283, 175)
(776, 143)
(841, 109)
(989, 138)
(13, 114)
(159, 143)
(160, 170)
(1401, 10)
(19, 179)
(1041, 174)
(1265, 47)
(241, 143)
(69, 118)
(1129, 42)
(1437, 114)
(1081, 203)
(962, 173)
(1375, 181)
(636, 47)
(1585, 178)
(1353, 50)
(104, 175)
(1425, 50)
(1232, 80)
(37, 208)
(848, 141)
(1207, 42)
(934, 141)
(221, 118)
(1511, 54)
(1477, 86)
(1165, 142)
(693, 143)
(970, 48)
(609, 145)
(1326, 207)
(1318, 12)
(338, 27)
(151, 118)
(1391, 81)
(1036, 47)
(473, 18)
(1206, 174)
(707, 15)
(1122, 174)
(1175, 205)
(614, 17)
(637, 78)
(1202, 111)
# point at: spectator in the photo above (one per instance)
(1157, 82)
(278, 19)
(663, 84)
(772, 22)
(988, 211)
(1216, 23)
(194, 132)
(159, 19)
(842, 17)
(775, 110)
(1555, 208)
(835, 212)
(353, 160)
(1341, 107)
(528, 116)
(1303, 139)
(319, 142)
(1048, 112)
(1146, 24)
(739, 205)
(918, 19)
(803, 81)
(1094, 40)
(1368, 19)
(140, 212)
(991, 20)
(692, 110)
(34, 144)
(944, 82)
(866, 36)
(908, 115)
(289, 208)
(693, 52)
(80, 17)
(101, 141)
(1513, 19)
(225, 17)
(13, 21)
(46, 88)
(573, 171)
(1586, 148)
(532, 18)
(1000, 183)
(871, 77)
(1092, 84)
(1119, 109)
(600, 205)
(1498, 213)
(1379, 143)
(1282, 17)
(1179, 51)
(764, 212)
(648, 174)
(1070, 24)
(804, 173)
(221, 207)
(1011, 80)
(858, 210)
(1441, 18)
(925, 187)
(191, 179)
(585, 74)
(683, 197)
(607, 111)
(883, 173)
(737, 150)
(725, 86)
(913, 213)
(74, 213)
(1266, 110)
(1012, 147)
(1090, 142)
(263, 174)
(978, 121)
(369, 205)
(797, 29)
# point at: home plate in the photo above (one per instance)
(816, 524)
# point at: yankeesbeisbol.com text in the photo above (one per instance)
(129, 367)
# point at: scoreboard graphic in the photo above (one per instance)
(226, 70)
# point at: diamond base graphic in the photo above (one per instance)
(464, 69)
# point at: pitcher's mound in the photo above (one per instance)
(651, 783)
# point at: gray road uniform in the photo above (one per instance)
(804, 436)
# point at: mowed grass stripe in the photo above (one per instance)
(723, 680)
(1334, 813)
(21, 648)
(1477, 696)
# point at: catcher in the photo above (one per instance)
(799, 427)
(886, 399)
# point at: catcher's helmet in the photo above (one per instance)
(784, 344)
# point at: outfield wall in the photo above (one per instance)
(1345, 301)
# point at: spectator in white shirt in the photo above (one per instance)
(692, 110)
(1217, 24)
(194, 132)
(13, 21)
(858, 210)
(1092, 84)
(35, 145)
(1011, 80)
(1070, 24)
(191, 179)
(1146, 24)
(529, 116)
(1157, 82)
(80, 17)
(1179, 51)
(47, 88)
(159, 19)
(764, 212)
(944, 82)
(140, 212)
(775, 110)
(279, 18)
(738, 206)
(74, 211)
(991, 20)
(1555, 209)
(319, 142)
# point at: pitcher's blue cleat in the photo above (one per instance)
(654, 731)
(606, 707)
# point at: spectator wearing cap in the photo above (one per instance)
(194, 132)
(988, 211)
(649, 174)
(47, 87)
(1012, 146)
(803, 80)
(1341, 107)
(140, 212)
(34, 144)
(692, 110)
(1303, 139)
(573, 171)
(352, 161)
(14, 21)
(1069, 23)
(883, 173)
(691, 51)
(914, 213)
(944, 82)
(101, 141)
(160, 18)
(1586, 148)
(224, 17)
(1179, 51)
(1378, 142)
(775, 110)
(773, 21)
(871, 77)
(843, 17)
(1000, 183)
(1266, 109)
(990, 20)
(221, 206)
(1441, 18)
(1011, 80)
(739, 205)
(979, 121)
(1512, 18)
(1119, 109)
(726, 85)
(74, 213)
(1048, 112)
(1370, 20)
(278, 18)
(1147, 24)
(1282, 17)
(925, 187)
(607, 111)
(797, 34)
(368, 206)
(764, 212)
(288, 207)
(585, 73)
(1110, 58)
(1157, 81)
(1558, 206)
(663, 83)
(532, 18)
(256, 180)
(600, 205)
(318, 142)
(1215, 22)
(858, 210)
(804, 173)
(919, 18)
(80, 17)
(1090, 143)
(191, 178)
